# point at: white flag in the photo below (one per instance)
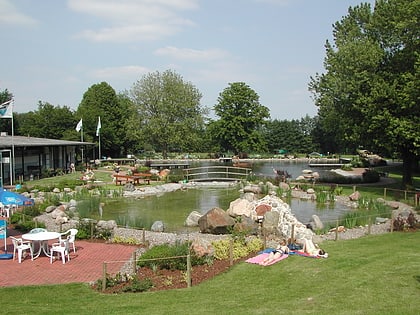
(98, 128)
(79, 125)
(6, 109)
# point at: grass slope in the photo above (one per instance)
(371, 275)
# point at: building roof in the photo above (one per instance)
(21, 141)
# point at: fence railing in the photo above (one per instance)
(213, 173)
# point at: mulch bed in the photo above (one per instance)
(176, 279)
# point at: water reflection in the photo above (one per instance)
(173, 208)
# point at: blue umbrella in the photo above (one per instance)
(11, 198)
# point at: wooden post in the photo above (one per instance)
(385, 193)
(336, 231)
(292, 236)
(134, 263)
(231, 252)
(354, 188)
(143, 237)
(104, 276)
(369, 225)
(392, 222)
(91, 230)
(188, 270)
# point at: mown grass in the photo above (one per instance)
(371, 275)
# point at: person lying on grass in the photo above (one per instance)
(275, 254)
(313, 249)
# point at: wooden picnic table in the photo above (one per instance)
(135, 179)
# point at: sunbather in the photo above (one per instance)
(275, 254)
(313, 249)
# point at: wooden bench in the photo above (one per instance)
(135, 179)
(145, 177)
(120, 179)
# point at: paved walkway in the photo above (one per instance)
(86, 265)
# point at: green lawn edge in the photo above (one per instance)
(375, 274)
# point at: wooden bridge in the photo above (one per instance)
(216, 173)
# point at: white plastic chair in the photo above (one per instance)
(20, 246)
(62, 247)
(70, 235)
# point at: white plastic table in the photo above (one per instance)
(42, 238)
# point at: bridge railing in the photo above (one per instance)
(214, 173)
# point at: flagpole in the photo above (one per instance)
(98, 134)
(12, 162)
(99, 151)
(81, 137)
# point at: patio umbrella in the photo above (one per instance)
(12, 198)
(3, 235)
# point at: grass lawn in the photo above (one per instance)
(370, 275)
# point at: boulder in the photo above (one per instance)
(316, 223)
(355, 196)
(271, 222)
(240, 207)
(202, 247)
(262, 209)
(284, 186)
(246, 224)
(157, 226)
(57, 213)
(50, 209)
(215, 221)
(192, 219)
(255, 189)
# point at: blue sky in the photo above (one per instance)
(54, 50)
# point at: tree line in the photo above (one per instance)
(169, 119)
(368, 97)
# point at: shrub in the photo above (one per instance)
(370, 176)
(172, 257)
(241, 248)
(138, 285)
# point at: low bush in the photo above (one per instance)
(241, 247)
(172, 257)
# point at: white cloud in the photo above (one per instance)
(120, 72)
(275, 2)
(10, 15)
(192, 54)
(134, 20)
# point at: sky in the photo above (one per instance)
(54, 50)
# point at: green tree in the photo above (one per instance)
(6, 124)
(294, 136)
(48, 121)
(242, 117)
(169, 116)
(369, 94)
(101, 100)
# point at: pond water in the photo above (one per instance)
(173, 208)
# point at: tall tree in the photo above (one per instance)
(242, 117)
(369, 94)
(101, 100)
(168, 112)
(48, 121)
(6, 124)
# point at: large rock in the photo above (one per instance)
(271, 222)
(262, 209)
(202, 247)
(355, 196)
(240, 207)
(157, 226)
(247, 225)
(215, 221)
(192, 219)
